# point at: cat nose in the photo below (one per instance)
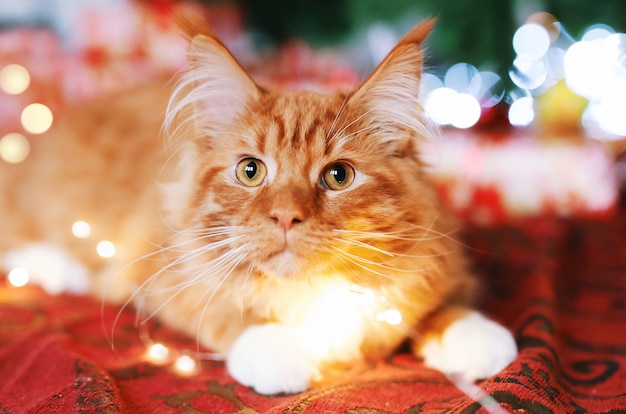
(286, 218)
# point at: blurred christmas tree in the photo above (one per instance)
(477, 32)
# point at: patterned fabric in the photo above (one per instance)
(560, 285)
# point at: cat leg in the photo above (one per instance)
(462, 341)
(270, 359)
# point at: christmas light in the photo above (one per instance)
(521, 112)
(390, 316)
(18, 277)
(158, 353)
(14, 79)
(185, 365)
(466, 111)
(37, 118)
(81, 229)
(531, 41)
(14, 148)
(105, 249)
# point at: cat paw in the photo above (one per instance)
(270, 360)
(474, 347)
(50, 267)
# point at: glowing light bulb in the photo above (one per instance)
(438, 103)
(466, 111)
(105, 249)
(521, 112)
(81, 229)
(531, 41)
(18, 277)
(37, 118)
(391, 316)
(14, 79)
(14, 148)
(158, 353)
(463, 78)
(185, 365)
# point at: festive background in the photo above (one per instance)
(529, 96)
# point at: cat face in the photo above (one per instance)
(306, 184)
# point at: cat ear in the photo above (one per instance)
(388, 96)
(214, 91)
(221, 89)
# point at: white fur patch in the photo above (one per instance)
(474, 347)
(270, 359)
(50, 267)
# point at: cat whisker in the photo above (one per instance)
(407, 233)
(222, 266)
(214, 290)
(244, 285)
(366, 245)
(142, 290)
(343, 106)
(354, 121)
(382, 265)
(359, 262)
(190, 255)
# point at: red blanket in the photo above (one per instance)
(559, 285)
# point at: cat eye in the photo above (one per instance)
(251, 172)
(338, 176)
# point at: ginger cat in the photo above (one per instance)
(297, 229)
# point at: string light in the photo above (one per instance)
(105, 249)
(14, 148)
(158, 353)
(18, 277)
(391, 316)
(522, 112)
(459, 99)
(81, 229)
(185, 365)
(14, 79)
(37, 118)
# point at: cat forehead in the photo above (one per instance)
(298, 121)
(300, 105)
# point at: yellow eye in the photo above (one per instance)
(338, 176)
(251, 172)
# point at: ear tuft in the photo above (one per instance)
(389, 95)
(215, 90)
(190, 20)
(418, 34)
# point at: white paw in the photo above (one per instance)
(269, 359)
(49, 267)
(474, 347)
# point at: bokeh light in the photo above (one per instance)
(594, 68)
(37, 118)
(521, 112)
(158, 353)
(105, 249)
(466, 111)
(14, 79)
(18, 277)
(14, 148)
(185, 365)
(528, 73)
(463, 78)
(81, 229)
(459, 98)
(531, 41)
(597, 31)
(390, 316)
(437, 105)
